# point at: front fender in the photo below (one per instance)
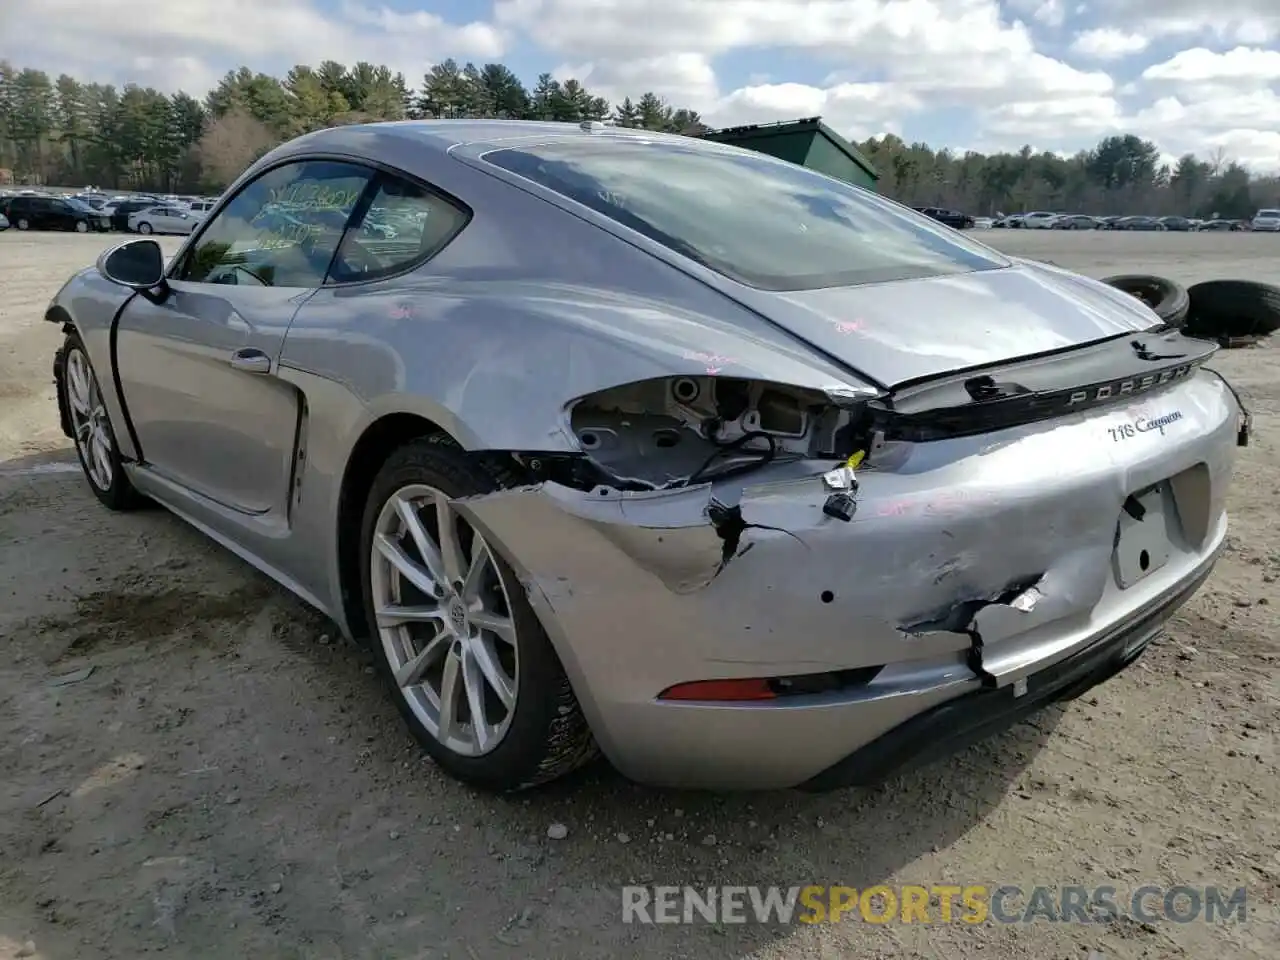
(89, 305)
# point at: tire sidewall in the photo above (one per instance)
(520, 760)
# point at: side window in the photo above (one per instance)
(404, 224)
(282, 229)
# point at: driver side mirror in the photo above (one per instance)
(137, 264)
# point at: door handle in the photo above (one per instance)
(251, 361)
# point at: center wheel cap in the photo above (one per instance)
(458, 617)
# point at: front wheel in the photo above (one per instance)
(144, 227)
(472, 670)
(23, 223)
(82, 226)
(91, 430)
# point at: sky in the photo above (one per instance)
(1198, 76)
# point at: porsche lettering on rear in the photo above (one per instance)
(1130, 385)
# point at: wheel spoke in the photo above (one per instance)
(495, 623)
(404, 565)
(417, 665)
(427, 549)
(78, 389)
(101, 454)
(394, 615)
(448, 697)
(473, 681)
(486, 658)
(475, 574)
(450, 549)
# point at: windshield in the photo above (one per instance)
(1269, 213)
(763, 222)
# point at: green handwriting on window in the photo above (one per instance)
(311, 194)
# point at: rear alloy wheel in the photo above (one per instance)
(474, 673)
(82, 226)
(144, 227)
(23, 224)
(91, 430)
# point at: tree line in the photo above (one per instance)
(66, 132)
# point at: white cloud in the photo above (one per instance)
(1107, 43)
(859, 110)
(1201, 101)
(188, 44)
(1240, 21)
(684, 79)
(1050, 13)
(1200, 66)
(909, 54)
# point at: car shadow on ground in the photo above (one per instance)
(254, 792)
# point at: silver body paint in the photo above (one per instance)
(538, 302)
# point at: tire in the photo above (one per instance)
(23, 223)
(1166, 297)
(543, 734)
(1233, 308)
(80, 396)
(81, 227)
(144, 228)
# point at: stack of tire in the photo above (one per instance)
(1230, 311)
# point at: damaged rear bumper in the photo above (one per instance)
(970, 568)
(950, 727)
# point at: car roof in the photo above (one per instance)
(400, 143)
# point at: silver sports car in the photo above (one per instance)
(623, 442)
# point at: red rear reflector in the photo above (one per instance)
(720, 690)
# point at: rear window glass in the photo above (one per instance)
(763, 222)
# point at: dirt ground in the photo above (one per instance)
(231, 781)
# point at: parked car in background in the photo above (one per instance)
(199, 208)
(555, 503)
(163, 219)
(4, 222)
(1138, 223)
(1075, 221)
(983, 223)
(1266, 220)
(1179, 224)
(1221, 226)
(1038, 220)
(27, 212)
(952, 218)
(124, 209)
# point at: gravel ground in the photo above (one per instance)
(230, 780)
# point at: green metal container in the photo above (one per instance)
(810, 143)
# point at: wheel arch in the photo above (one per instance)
(59, 315)
(375, 444)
